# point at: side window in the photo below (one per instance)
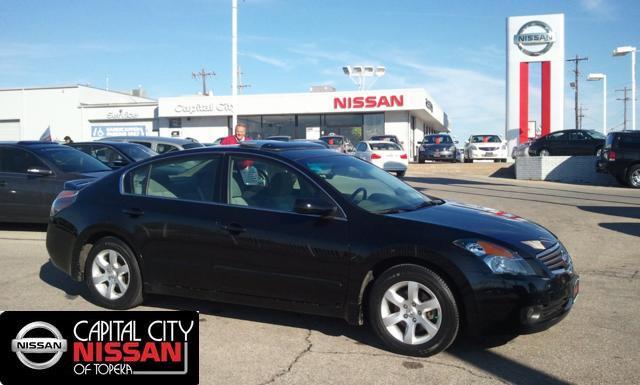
(188, 178)
(576, 135)
(17, 160)
(107, 155)
(557, 136)
(266, 184)
(362, 147)
(161, 148)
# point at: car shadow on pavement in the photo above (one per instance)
(629, 228)
(52, 276)
(35, 227)
(616, 211)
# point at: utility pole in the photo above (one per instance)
(203, 75)
(576, 71)
(580, 116)
(624, 99)
(241, 85)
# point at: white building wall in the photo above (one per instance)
(205, 129)
(397, 123)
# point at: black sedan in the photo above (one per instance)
(33, 173)
(437, 147)
(115, 154)
(568, 143)
(298, 227)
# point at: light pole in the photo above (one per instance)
(234, 63)
(621, 51)
(359, 74)
(603, 77)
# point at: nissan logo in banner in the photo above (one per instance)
(534, 38)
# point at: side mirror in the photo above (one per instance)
(455, 142)
(39, 171)
(314, 207)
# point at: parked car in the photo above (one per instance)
(485, 147)
(282, 138)
(115, 154)
(388, 138)
(568, 142)
(294, 226)
(387, 155)
(32, 174)
(621, 157)
(158, 144)
(338, 143)
(438, 147)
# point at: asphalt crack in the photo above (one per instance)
(297, 358)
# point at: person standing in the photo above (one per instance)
(67, 140)
(237, 137)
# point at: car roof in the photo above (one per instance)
(148, 138)
(33, 144)
(107, 143)
(442, 134)
(378, 142)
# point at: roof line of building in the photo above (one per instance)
(125, 104)
(73, 86)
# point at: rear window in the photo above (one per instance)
(437, 139)
(389, 146)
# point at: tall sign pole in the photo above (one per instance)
(234, 62)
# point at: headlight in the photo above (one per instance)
(499, 259)
(473, 148)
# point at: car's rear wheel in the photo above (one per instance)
(112, 275)
(413, 311)
(543, 152)
(400, 174)
(633, 176)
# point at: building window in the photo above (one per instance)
(348, 125)
(175, 122)
(254, 126)
(373, 125)
(310, 122)
(278, 125)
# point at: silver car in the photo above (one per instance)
(158, 144)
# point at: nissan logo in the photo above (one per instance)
(39, 345)
(534, 34)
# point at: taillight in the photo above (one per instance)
(611, 155)
(63, 200)
(375, 156)
(403, 156)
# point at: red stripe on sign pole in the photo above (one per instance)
(524, 102)
(546, 97)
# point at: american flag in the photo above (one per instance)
(46, 135)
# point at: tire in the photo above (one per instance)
(112, 261)
(430, 286)
(621, 180)
(544, 152)
(503, 160)
(400, 174)
(496, 161)
(468, 160)
(420, 160)
(633, 176)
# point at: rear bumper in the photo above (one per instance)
(61, 246)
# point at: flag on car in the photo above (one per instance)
(46, 135)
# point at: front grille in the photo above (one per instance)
(489, 148)
(556, 258)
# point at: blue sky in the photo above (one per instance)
(454, 49)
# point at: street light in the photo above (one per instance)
(621, 51)
(603, 77)
(359, 74)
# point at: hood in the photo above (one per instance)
(484, 222)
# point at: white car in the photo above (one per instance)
(483, 147)
(386, 155)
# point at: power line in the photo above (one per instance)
(624, 99)
(576, 71)
(203, 75)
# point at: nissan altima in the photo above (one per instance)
(294, 226)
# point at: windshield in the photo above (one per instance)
(332, 140)
(437, 139)
(138, 152)
(596, 134)
(485, 139)
(71, 160)
(366, 185)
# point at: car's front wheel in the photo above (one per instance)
(633, 176)
(413, 311)
(400, 174)
(112, 275)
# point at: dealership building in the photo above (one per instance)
(89, 113)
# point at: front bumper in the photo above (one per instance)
(523, 304)
(432, 155)
(481, 154)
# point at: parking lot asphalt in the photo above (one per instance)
(596, 344)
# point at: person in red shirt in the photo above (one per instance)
(239, 136)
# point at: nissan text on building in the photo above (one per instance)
(358, 115)
(534, 39)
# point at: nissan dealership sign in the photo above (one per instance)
(534, 38)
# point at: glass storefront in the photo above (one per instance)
(356, 127)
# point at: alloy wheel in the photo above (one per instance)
(635, 178)
(544, 152)
(110, 274)
(410, 312)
